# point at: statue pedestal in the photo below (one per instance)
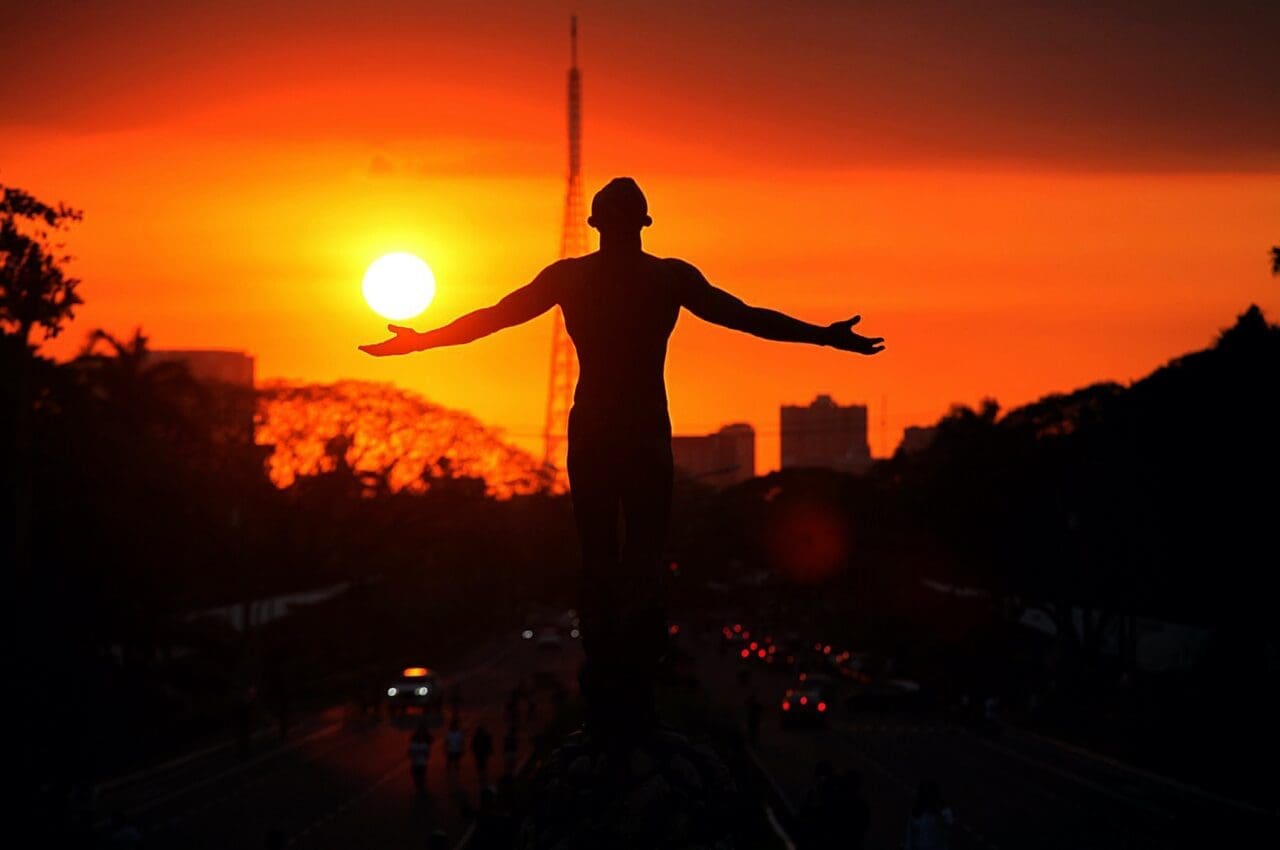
(655, 791)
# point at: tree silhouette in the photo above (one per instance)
(122, 376)
(34, 292)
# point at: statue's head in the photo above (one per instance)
(619, 207)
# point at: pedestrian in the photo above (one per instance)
(510, 751)
(755, 710)
(419, 755)
(930, 822)
(454, 743)
(482, 748)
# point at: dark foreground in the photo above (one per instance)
(342, 780)
(1008, 788)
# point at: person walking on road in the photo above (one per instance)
(930, 822)
(419, 755)
(482, 749)
(454, 743)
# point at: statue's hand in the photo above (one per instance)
(840, 335)
(406, 340)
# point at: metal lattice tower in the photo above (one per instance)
(573, 243)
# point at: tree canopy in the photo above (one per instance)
(35, 291)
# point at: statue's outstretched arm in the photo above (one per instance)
(525, 303)
(713, 304)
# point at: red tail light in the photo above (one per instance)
(804, 700)
(822, 706)
(761, 654)
(745, 653)
(786, 706)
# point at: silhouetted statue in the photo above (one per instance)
(620, 306)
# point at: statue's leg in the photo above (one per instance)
(593, 481)
(641, 612)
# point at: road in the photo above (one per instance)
(339, 781)
(1013, 790)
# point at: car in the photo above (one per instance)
(415, 687)
(807, 702)
(548, 637)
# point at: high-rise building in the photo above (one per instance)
(825, 434)
(721, 459)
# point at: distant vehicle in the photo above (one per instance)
(415, 687)
(548, 637)
(807, 702)
(764, 651)
(569, 620)
(853, 666)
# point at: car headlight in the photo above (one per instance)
(422, 692)
(527, 634)
(391, 692)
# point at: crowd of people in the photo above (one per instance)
(480, 741)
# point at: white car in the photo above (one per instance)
(417, 687)
(548, 637)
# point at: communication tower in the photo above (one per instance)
(573, 243)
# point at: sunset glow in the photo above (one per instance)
(1004, 248)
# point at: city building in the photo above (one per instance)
(230, 375)
(916, 438)
(825, 434)
(210, 365)
(721, 459)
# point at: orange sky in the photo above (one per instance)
(1021, 202)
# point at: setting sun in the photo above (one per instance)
(399, 285)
